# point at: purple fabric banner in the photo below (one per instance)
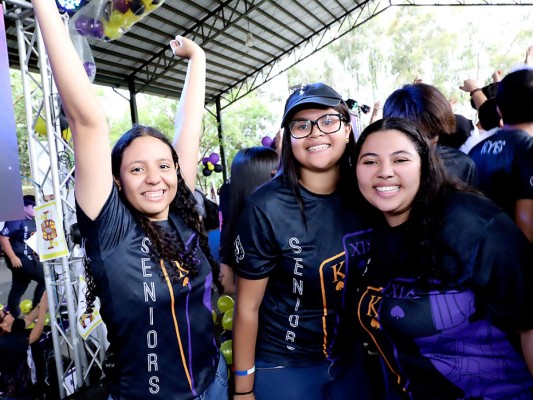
(11, 205)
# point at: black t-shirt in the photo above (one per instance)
(505, 167)
(162, 332)
(458, 165)
(300, 315)
(455, 339)
(14, 369)
(18, 232)
(226, 241)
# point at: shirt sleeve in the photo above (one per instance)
(525, 175)
(503, 271)
(255, 246)
(9, 228)
(110, 227)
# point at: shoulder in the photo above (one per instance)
(450, 153)
(513, 139)
(469, 220)
(10, 227)
(271, 191)
(472, 206)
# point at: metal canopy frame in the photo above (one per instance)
(285, 33)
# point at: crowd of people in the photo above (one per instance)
(394, 266)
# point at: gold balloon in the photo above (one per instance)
(116, 18)
(112, 32)
(40, 126)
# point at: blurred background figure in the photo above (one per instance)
(15, 337)
(250, 168)
(20, 258)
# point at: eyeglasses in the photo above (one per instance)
(6, 313)
(327, 123)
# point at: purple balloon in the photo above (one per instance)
(97, 29)
(266, 141)
(83, 25)
(90, 69)
(214, 158)
(121, 5)
(205, 160)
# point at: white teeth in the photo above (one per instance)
(318, 147)
(387, 189)
(153, 195)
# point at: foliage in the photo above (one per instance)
(20, 123)
(366, 64)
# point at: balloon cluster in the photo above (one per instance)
(225, 306)
(110, 19)
(211, 164)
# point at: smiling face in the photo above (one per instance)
(319, 152)
(388, 172)
(148, 177)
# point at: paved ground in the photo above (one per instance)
(5, 284)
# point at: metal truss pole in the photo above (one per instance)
(52, 173)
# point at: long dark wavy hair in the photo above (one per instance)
(426, 216)
(250, 168)
(290, 167)
(165, 246)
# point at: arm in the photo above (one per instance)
(497, 75)
(524, 217)
(245, 324)
(529, 56)
(188, 120)
(377, 112)
(84, 113)
(37, 315)
(526, 340)
(227, 278)
(8, 250)
(479, 97)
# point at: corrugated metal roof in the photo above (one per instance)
(284, 32)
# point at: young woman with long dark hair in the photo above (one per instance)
(147, 259)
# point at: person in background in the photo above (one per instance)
(447, 294)
(277, 143)
(489, 121)
(289, 338)
(21, 259)
(15, 339)
(250, 168)
(505, 159)
(429, 109)
(147, 258)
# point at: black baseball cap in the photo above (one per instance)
(313, 93)
(29, 200)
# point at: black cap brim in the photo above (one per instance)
(318, 100)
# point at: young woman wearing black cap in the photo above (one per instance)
(289, 341)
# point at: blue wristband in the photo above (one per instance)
(245, 373)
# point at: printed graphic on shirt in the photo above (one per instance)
(436, 335)
(161, 330)
(239, 251)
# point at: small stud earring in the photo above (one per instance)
(347, 139)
